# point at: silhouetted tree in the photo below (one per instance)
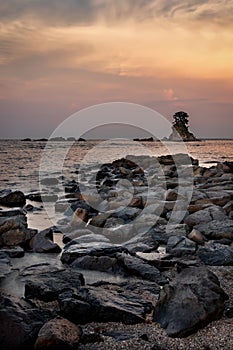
(181, 120)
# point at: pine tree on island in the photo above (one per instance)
(180, 128)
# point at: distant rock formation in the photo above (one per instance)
(148, 139)
(180, 128)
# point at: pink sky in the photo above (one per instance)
(60, 56)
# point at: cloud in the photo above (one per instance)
(87, 12)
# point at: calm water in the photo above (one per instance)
(20, 161)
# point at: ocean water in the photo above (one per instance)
(20, 161)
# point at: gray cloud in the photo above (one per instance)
(85, 12)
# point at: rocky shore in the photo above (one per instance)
(163, 225)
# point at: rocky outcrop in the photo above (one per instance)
(192, 300)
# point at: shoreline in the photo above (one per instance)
(118, 264)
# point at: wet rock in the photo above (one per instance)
(12, 212)
(12, 198)
(74, 251)
(13, 252)
(192, 300)
(58, 334)
(5, 266)
(20, 322)
(178, 246)
(216, 254)
(137, 267)
(98, 304)
(47, 286)
(217, 229)
(42, 242)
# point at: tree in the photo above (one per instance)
(181, 120)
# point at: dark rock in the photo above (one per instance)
(58, 334)
(42, 242)
(13, 252)
(98, 304)
(192, 300)
(20, 323)
(213, 212)
(74, 251)
(178, 246)
(75, 234)
(41, 197)
(229, 312)
(216, 254)
(98, 263)
(47, 286)
(12, 199)
(217, 229)
(12, 212)
(5, 266)
(137, 267)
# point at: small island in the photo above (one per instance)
(180, 128)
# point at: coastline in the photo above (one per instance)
(189, 246)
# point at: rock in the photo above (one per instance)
(74, 251)
(47, 286)
(99, 304)
(218, 197)
(41, 197)
(91, 237)
(20, 323)
(6, 213)
(178, 246)
(171, 195)
(192, 300)
(12, 199)
(17, 237)
(213, 212)
(79, 217)
(12, 223)
(228, 207)
(74, 235)
(42, 242)
(13, 252)
(216, 254)
(196, 236)
(137, 267)
(5, 266)
(98, 263)
(58, 334)
(217, 229)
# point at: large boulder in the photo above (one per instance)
(58, 334)
(206, 215)
(191, 300)
(178, 246)
(12, 198)
(100, 304)
(47, 286)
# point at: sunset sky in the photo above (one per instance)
(58, 57)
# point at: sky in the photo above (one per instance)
(57, 57)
